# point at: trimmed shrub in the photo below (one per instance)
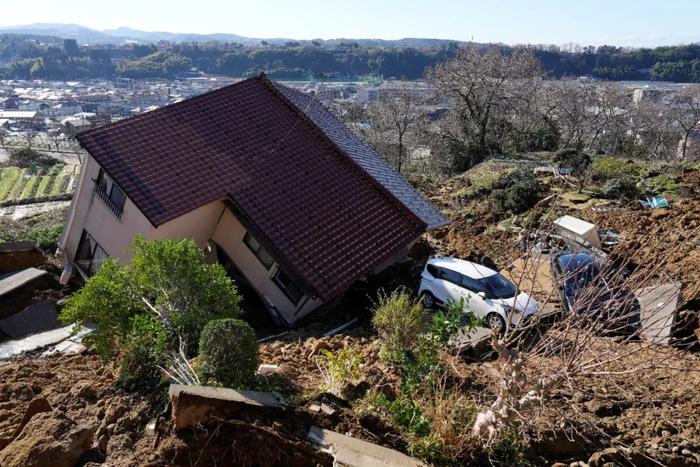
(143, 352)
(228, 353)
(624, 189)
(399, 321)
(515, 192)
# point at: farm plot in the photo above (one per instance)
(18, 184)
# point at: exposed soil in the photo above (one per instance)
(71, 410)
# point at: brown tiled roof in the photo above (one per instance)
(323, 216)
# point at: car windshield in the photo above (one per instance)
(497, 286)
(579, 271)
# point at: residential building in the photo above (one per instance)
(263, 178)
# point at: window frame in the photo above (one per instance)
(247, 239)
(475, 286)
(114, 196)
(285, 288)
(445, 271)
(93, 250)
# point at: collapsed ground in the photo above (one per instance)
(654, 412)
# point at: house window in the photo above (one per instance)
(289, 288)
(110, 193)
(258, 250)
(90, 255)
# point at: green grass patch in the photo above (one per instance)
(60, 184)
(605, 168)
(8, 179)
(45, 185)
(30, 188)
(663, 184)
(18, 187)
(43, 229)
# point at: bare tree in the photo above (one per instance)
(573, 104)
(55, 137)
(655, 131)
(484, 89)
(601, 337)
(392, 118)
(3, 133)
(685, 113)
(29, 137)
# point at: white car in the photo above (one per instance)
(486, 293)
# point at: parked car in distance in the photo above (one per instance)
(488, 294)
(585, 289)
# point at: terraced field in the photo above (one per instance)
(17, 184)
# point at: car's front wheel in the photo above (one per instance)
(428, 300)
(496, 322)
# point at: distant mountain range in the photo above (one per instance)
(85, 35)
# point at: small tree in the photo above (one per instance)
(176, 282)
(399, 320)
(228, 353)
(143, 352)
(166, 278)
(515, 192)
(109, 300)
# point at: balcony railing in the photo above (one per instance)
(111, 206)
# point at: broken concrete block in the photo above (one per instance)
(192, 405)
(658, 307)
(15, 256)
(266, 369)
(353, 452)
(327, 409)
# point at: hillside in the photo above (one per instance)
(642, 417)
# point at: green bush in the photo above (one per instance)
(399, 320)
(339, 368)
(576, 161)
(663, 184)
(228, 353)
(174, 276)
(143, 351)
(47, 237)
(168, 277)
(108, 301)
(515, 192)
(30, 159)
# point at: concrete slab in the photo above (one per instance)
(14, 281)
(37, 317)
(192, 405)
(73, 344)
(658, 305)
(15, 347)
(353, 452)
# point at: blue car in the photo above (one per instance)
(587, 289)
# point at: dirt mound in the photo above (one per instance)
(650, 414)
(58, 407)
(668, 235)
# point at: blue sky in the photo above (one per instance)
(620, 22)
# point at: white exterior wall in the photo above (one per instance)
(229, 236)
(211, 221)
(90, 213)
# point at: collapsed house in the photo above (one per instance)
(263, 178)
